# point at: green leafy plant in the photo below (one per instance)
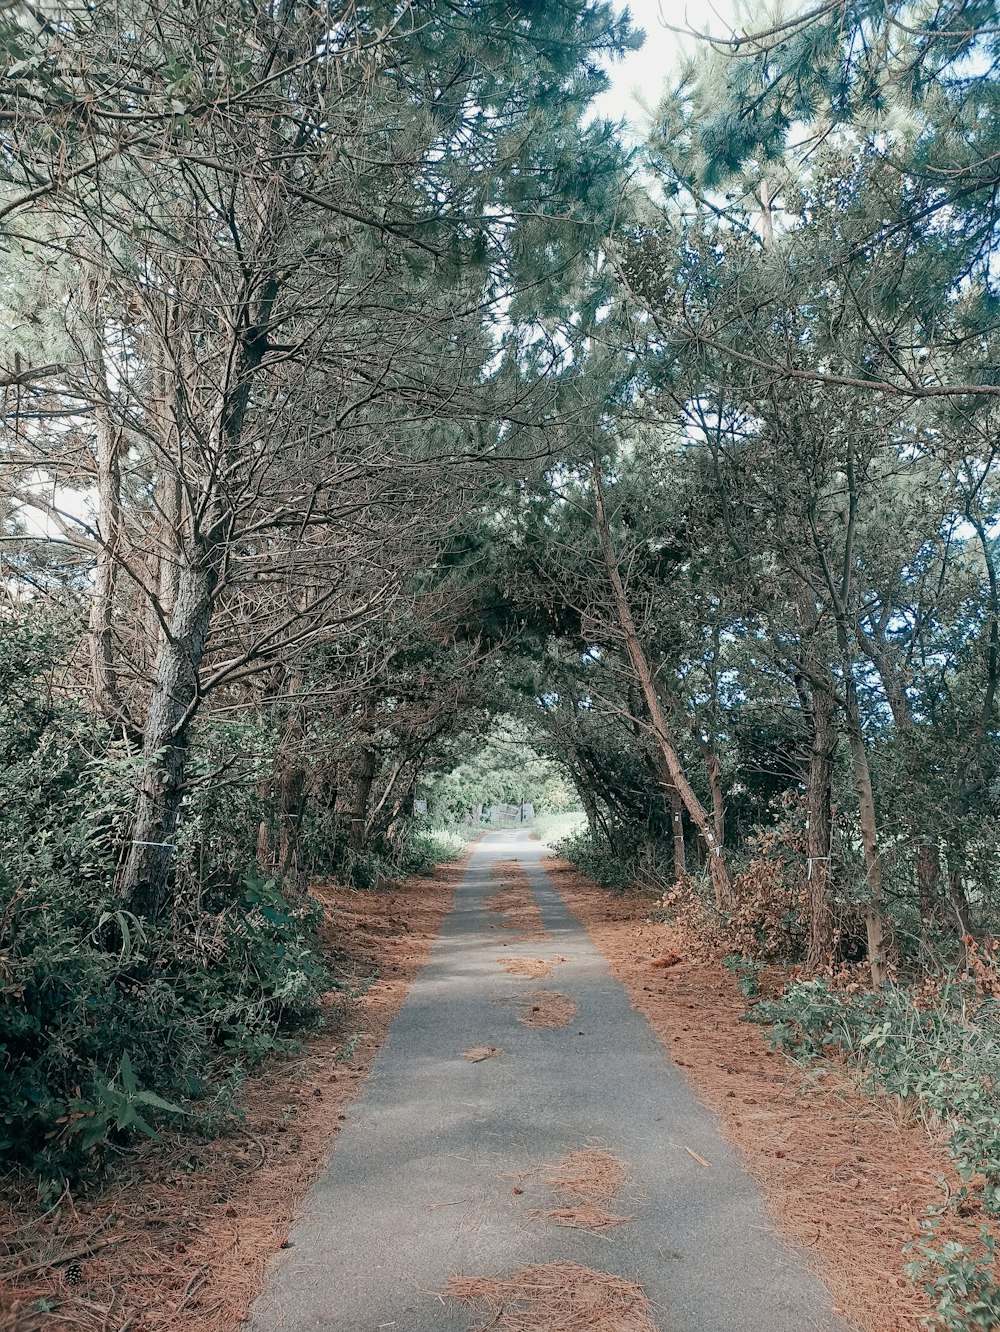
(936, 1048)
(747, 972)
(961, 1283)
(118, 1106)
(112, 1026)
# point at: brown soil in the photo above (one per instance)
(555, 1297)
(179, 1241)
(480, 1052)
(533, 967)
(846, 1175)
(515, 904)
(546, 1008)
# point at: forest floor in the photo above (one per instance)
(179, 1240)
(847, 1175)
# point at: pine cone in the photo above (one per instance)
(74, 1274)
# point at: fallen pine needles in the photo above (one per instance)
(555, 1297)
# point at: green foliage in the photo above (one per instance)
(101, 1023)
(109, 1025)
(502, 767)
(747, 972)
(116, 1107)
(428, 847)
(554, 829)
(610, 867)
(419, 850)
(937, 1049)
(961, 1284)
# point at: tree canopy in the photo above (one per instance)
(377, 427)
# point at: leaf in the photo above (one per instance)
(127, 1074)
(157, 1103)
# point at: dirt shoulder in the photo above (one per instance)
(846, 1176)
(181, 1239)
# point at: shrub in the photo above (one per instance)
(554, 829)
(616, 868)
(428, 847)
(110, 1025)
(101, 1014)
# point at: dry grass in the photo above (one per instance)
(555, 1297)
(546, 1008)
(515, 904)
(846, 1175)
(535, 968)
(178, 1242)
(480, 1052)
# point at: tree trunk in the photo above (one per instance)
(676, 808)
(103, 650)
(292, 776)
(958, 900)
(874, 923)
(721, 881)
(928, 858)
(840, 588)
(402, 810)
(265, 837)
(677, 824)
(363, 776)
(929, 881)
(714, 769)
(148, 869)
(819, 830)
(291, 810)
(589, 809)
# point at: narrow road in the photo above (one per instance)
(422, 1182)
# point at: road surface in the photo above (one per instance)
(422, 1181)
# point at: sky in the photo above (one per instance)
(643, 73)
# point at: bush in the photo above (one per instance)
(770, 917)
(101, 1015)
(554, 829)
(595, 859)
(110, 1025)
(428, 847)
(420, 850)
(630, 861)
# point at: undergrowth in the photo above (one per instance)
(420, 850)
(554, 828)
(937, 1048)
(111, 1026)
(617, 868)
(427, 847)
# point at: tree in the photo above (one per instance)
(302, 275)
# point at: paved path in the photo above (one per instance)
(418, 1186)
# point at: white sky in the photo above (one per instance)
(641, 76)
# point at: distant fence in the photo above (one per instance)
(493, 816)
(502, 816)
